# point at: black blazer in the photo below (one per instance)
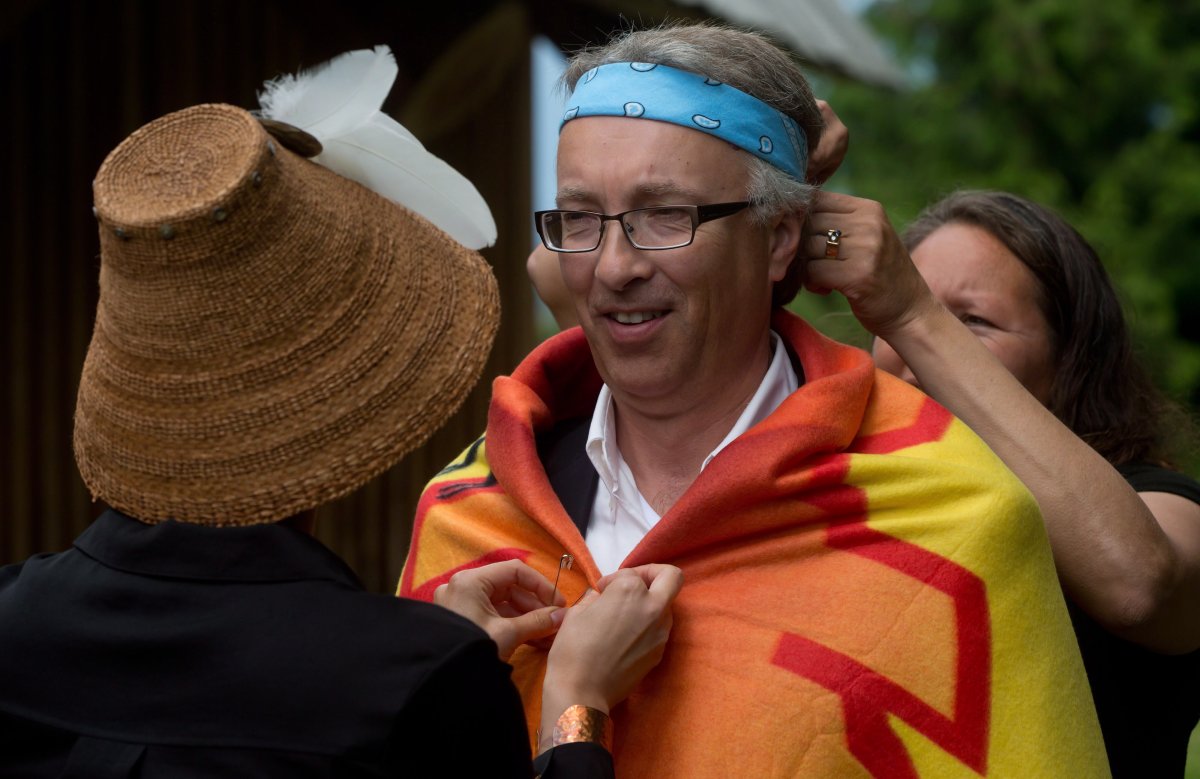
(176, 650)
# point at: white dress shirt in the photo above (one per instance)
(620, 516)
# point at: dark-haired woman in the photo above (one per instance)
(1001, 311)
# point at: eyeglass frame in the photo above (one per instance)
(699, 213)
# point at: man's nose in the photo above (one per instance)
(620, 262)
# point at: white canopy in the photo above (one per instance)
(820, 31)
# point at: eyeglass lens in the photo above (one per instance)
(661, 227)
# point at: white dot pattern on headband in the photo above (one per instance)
(707, 123)
(634, 109)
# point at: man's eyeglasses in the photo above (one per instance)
(657, 227)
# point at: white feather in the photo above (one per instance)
(339, 104)
(332, 97)
(380, 156)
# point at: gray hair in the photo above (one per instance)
(745, 60)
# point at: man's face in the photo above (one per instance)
(676, 325)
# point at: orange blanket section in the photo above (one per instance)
(868, 590)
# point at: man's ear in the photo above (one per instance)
(787, 230)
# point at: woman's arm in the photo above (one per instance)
(543, 269)
(1131, 562)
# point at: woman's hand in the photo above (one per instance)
(512, 602)
(871, 266)
(831, 149)
(610, 640)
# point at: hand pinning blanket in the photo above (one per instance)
(868, 590)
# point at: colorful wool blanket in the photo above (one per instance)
(868, 590)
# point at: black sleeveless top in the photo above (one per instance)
(1148, 703)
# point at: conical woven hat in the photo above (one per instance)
(269, 335)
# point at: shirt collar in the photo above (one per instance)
(256, 553)
(779, 382)
(601, 446)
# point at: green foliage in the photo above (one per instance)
(1192, 771)
(1087, 107)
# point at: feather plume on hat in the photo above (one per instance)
(339, 103)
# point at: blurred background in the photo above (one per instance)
(1090, 108)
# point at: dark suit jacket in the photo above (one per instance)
(176, 650)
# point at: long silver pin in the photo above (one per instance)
(563, 562)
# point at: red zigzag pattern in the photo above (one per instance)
(867, 696)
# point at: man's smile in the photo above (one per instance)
(635, 317)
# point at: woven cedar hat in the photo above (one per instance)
(269, 335)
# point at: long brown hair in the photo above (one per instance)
(1101, 391)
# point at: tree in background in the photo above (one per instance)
(1088, 107)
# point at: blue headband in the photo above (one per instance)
(647, 91)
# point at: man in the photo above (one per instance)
(864, 577)
(269, 336)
